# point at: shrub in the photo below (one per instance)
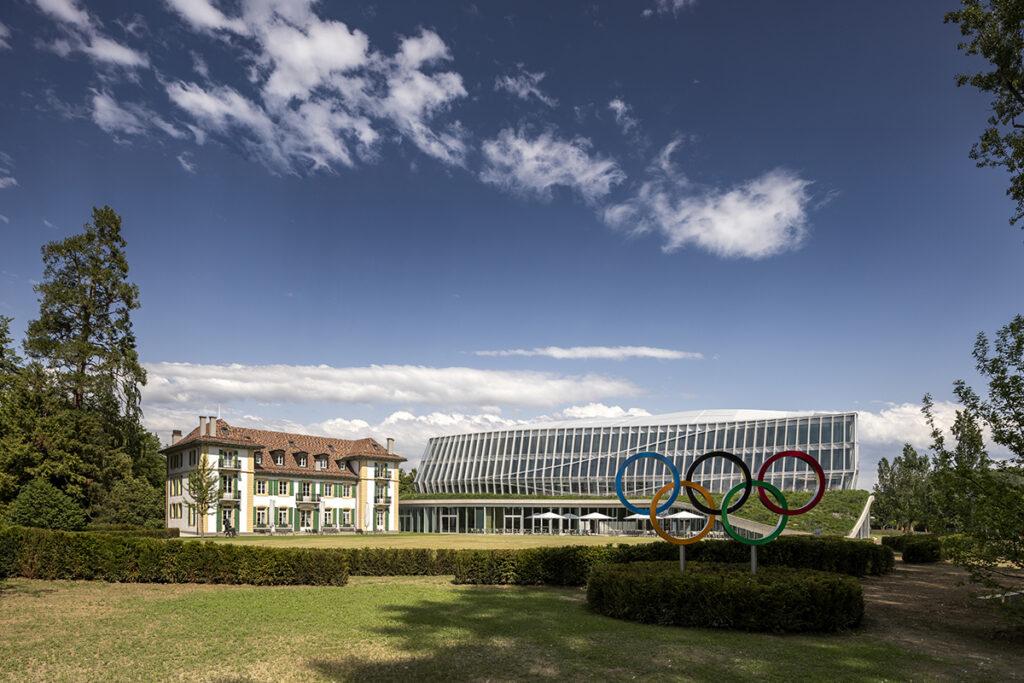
(41, 504)
(899, 542)
(133, 530)
(400, 561)
(131, 502)
(106, 556)
(922, 550)
(776, 599)
(571, 565)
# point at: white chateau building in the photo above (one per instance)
(276, 482)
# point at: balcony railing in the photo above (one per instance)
(230, 464)
(231, 495)
(382, 500)
(307, 498)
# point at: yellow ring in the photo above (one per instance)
(657, 525)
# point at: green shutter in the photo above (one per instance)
(295, 518)
(220, 518)
(316, 520)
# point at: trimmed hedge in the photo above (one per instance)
(922, 550)
(899, 542)
(400, 561)
(713, 595)
(572, 565)
(43, 554)
(133, 531)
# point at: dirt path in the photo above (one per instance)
(932, 608)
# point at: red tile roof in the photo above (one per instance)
(337, 451)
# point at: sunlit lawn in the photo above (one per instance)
(406, 628)
(430, 540)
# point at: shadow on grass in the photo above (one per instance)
(544, 633)
(32, 591)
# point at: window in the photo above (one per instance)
(259, 458)
(302, 460)
(227, 484)
(191, 516)
(261, 516)
(306, 490)
(380, 519)
(328, 488)
(261, 487)
(305, 519)
(321, 463)
(282, 517)
(192, 458)
(279, 459)
(346, 517)
(282, 488)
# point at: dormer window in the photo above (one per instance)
(321, 462)
(302, 460)
(279, 459)
(259, 458)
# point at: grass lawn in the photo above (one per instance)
(409, 628)
(411, 540)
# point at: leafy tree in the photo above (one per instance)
(204, 490)
(994, 31)
(901, 494)
(41, 504)
(957, 474)
(132, 502)
(1003, 366)
(84, 331)
(406, 482)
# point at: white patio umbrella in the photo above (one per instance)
(546, 515)
(569, 515)
(683, 514)
(637, 516)
(597, 516)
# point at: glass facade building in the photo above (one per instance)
(582, 457)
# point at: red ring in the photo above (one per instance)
(815, 465)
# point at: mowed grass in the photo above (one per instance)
(411, 540)
(395, 628)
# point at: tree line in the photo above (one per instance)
(73, 450)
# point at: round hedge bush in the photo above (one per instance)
(922, 550)
(712, 595)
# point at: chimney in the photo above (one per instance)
(391, 444)
(213, 426)
(202, 425)
(175, 436)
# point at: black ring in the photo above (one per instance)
(736, 460)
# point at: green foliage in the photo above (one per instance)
(400, 561)
(132, 503)
(41, 554)
(406, 482)
(41, 504)
(124, 530)
(901, 494)
(922, 549)
(709, 595)
(203, 490)
(994, 31)
(835, 515)
(572, 565)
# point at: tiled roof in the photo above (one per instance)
(338, 451)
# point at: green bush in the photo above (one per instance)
(899, 542)
(922, 550)
(105, 556)
(776, 599)
(571, 565)
(400, 561)
(133, 530)
(41, 504)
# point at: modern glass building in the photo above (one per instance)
(581, 458)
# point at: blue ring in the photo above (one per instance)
(667, 463)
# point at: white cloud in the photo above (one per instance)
(598, 352)
(668, 6)
(4, 218)
(524, 85)
(5, 35)
(324, 94)
(600, 411)
(534, 166)
(623, 115)
(185, 159)
(128, 119)
(755, 219)
(82, 34)
(403, 384)
(904, 423)
(8, 181)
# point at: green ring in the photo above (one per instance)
(779, 526)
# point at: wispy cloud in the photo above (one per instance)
(533, 166)
(129, 119)
(524, 85)
(623, 115)
(81, 33)
(597, 353)
(403, 384)
(5, 36)
(755, 219)
(185, 159)
(668, 7)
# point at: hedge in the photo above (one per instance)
(44, 554)
(715, 595)
(571, 565)
(898, 542)
(400, 561)
(922, 550)
(133, 531)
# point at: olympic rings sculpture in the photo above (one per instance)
(692, 488)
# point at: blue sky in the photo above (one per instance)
(351, 202)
